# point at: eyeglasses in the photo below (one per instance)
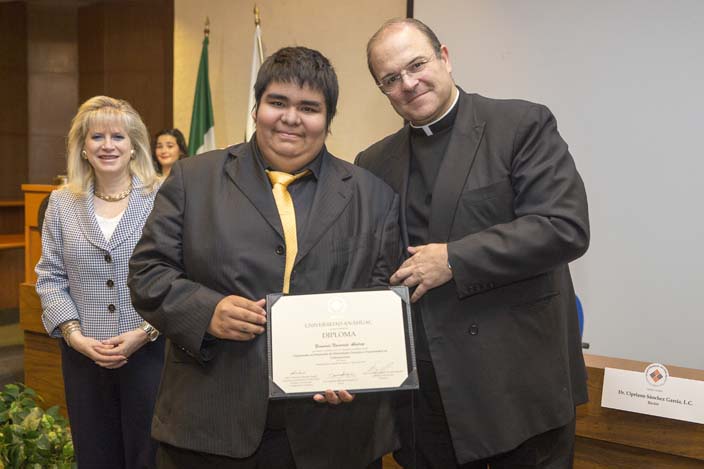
(390, 83)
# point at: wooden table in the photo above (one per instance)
(610, 438)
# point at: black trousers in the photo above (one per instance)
(110, 411)
(427, 443)
(274, 452)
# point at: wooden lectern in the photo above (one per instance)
(42, 357)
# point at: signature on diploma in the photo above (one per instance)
(297, 373)
(380, 368)
(342, 374)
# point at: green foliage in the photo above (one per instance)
(31, 438)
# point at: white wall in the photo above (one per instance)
(624, 78)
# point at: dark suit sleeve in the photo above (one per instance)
(390, 249)
(161, 292)
(551, 225)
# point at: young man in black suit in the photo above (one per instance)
(215, 245)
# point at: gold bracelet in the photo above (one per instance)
(68, 328)
(67, 333)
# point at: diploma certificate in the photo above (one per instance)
(361, 341)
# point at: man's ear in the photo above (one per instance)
(445, 58)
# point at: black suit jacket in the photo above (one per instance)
(503, 333)
(214, 231)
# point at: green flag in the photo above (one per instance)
(202, 137)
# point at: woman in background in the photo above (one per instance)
(111, 357)
(169, 147)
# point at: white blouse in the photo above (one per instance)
(108, 225)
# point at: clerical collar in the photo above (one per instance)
(441, 123)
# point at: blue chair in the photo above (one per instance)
(580, 315)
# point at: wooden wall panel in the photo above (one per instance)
(52, 86)
(11, 272)
(13, 146)
(11, 216)
(135, 63)
(13, 96)
(125, 49)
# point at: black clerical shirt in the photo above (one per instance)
(428, 147)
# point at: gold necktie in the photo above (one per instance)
(284, 204)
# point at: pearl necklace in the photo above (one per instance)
(113, 198)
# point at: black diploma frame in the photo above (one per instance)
(339, 328)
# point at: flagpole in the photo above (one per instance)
(257, 23)
(257, 60)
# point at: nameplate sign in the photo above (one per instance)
(654, 392)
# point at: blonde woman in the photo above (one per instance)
(111, 357)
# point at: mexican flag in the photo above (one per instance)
(202, 136)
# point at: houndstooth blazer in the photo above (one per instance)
(81, 275)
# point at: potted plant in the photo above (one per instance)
(29, 436)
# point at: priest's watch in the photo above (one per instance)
(152, 333)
